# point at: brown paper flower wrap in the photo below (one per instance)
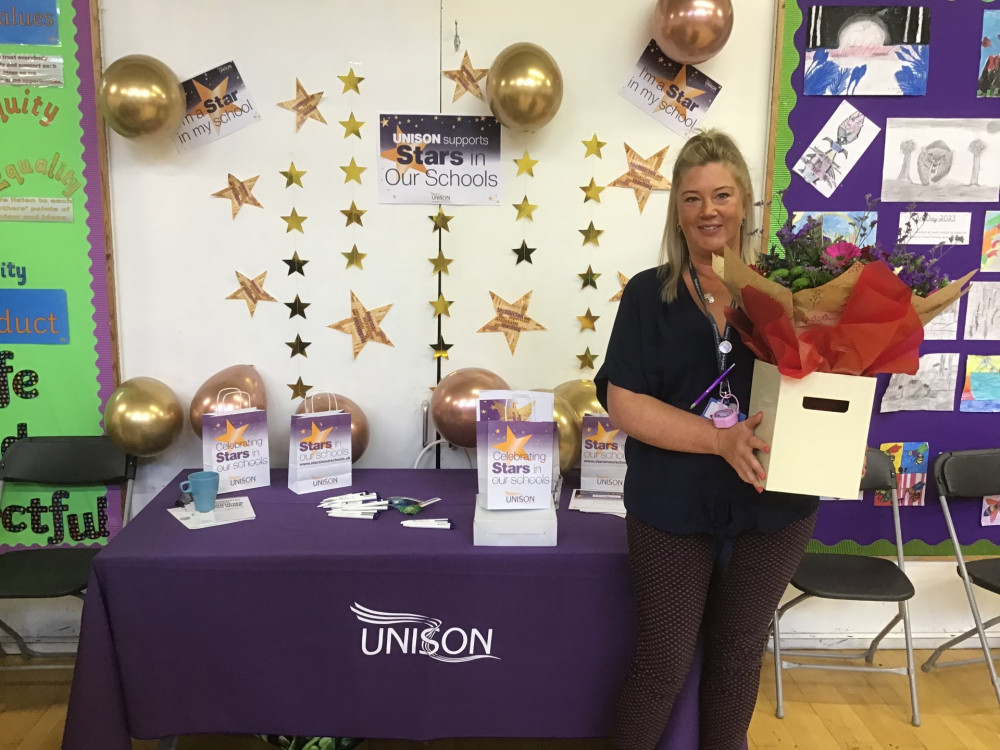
(864, 322)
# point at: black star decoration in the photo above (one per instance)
(299, 389)
(298, 307)
(440, 348)
(295, 264)
(524, 252)
(298, 346)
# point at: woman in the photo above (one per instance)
(709, 550)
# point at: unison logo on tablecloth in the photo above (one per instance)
(407, 633)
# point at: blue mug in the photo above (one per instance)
(203, 487)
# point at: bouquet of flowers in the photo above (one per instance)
(813, 305)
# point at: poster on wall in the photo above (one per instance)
(435, 159)
(30, 22)
(217, 104)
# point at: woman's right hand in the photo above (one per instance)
(737, 444)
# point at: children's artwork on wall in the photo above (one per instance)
(945, 325)
(982, 316)
(867, 51)
(990, 260)
(835, 150)
(989, 56)
(941, 160)
(981, 392)
(910, 460)
(991, 511)
(856, 227)
(931, 389)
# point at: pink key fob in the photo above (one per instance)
(725, 417)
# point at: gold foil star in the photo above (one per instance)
(352, 126)
(682, 95)
(354, 258)
(299, 389)
(353, 172)
(511, 319)
(594, 147)
(440, 348)
(466, 79)
(440, 220)
(294, 221)
(233, 435)
(587, 359)
(251, 291)
(589, 278)
(524, 253)
(296, 264)
(353, 215)
(298, 346)
(643, 175)
(305, 106)
(351, 82)
(592, 192)
(441, 306)
(293, 176)
(239, 192)
(363, 325)
(587, 321)
(525, 165)
(525, 209)
(440, 263)
(591, 235)
(297, 307)
(513, 447)
(622, 281)
(218, 94)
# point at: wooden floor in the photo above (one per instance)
(825, 710)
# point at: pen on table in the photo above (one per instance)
(714, 383)
(427, 523)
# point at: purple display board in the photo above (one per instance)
(954, 59)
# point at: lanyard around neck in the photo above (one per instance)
(723, 344)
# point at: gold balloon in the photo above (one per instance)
(143, 417)
(456, 399)
(222, 392)
(692, 31)
(139, 95)
(360, 431)
(524, 87)
(582, 396)
(569, 430)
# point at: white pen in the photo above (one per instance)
(427, 523)
(339, 513)
(350, 496)
(425, 503)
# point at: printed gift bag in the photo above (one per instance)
(602, 455)
(319, 449)
(234, 443)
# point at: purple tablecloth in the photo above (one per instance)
(249, 627)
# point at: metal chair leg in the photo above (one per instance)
(779, 709)
(911, 669)
(873, 646)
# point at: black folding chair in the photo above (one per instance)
(59, 462)
(972, 473)
(854, 578)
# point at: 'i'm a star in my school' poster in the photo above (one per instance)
(434, 159)
(217, 104)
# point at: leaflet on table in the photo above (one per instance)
(234, 443)
(513, 406)
(319, 451)
(602, 456)
(588, 501)
(227, 510)
(520, 465)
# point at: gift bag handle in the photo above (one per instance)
(309, 401)
(223, 396)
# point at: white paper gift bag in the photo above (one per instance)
(319, 451)
(234, 443)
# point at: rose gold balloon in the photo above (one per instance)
(236, 387)
(692, 31)
(455, 400)
(143, 417)
(582, 396)
(360, 432)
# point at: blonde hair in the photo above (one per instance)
(707, 147)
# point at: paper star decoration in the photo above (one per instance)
(587, 321)
(513, 446)
(604, 436)
(440, 263)
(587, 359)
(239, 192)
(589, 278)
(466, 79)
(233, 435)
(525, 209)
(622, 281)
(440, 348)
(364, 325)
(352, 126)
(683, 94)
(591, 235)
(441, 306)
(353, 172)
(591, 192)
(295, 264)
(294, 221)
(305, 106)
(218, 93)
(353, 215)
(297, 307)
(298, 346)
(594, 147)
(293, 176)
(299, 389)
(525, 165)
(643, 175)
(351, 82)
(524, 253)
(251, 291)
(511, 319)
(354, 258)
(440, 220)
